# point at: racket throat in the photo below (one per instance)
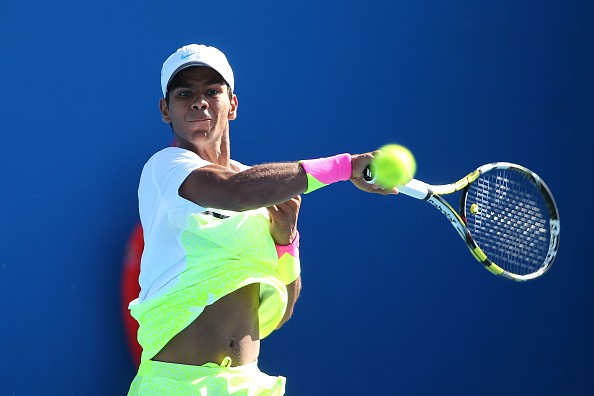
(455, 220)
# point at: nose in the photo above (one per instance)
(199, 103)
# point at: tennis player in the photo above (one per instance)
(220, 269)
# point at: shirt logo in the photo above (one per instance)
(215, 214)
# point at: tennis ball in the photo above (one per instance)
(394, 166)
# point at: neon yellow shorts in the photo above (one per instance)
(160, 378)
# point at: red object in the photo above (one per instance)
(129, 289)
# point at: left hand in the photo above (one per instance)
(283, 221)
(359, 163)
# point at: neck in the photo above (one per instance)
(218, 152)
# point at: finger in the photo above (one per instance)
(390, 191)
(292, 204)
(272, 210)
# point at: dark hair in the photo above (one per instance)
(174, 83)
(172, 87)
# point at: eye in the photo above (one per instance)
(184, 94)
(213, 92)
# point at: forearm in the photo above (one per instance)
(268, 184)
(263, 185)
(293, 291)
(289, 272)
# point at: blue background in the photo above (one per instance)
(392, 302)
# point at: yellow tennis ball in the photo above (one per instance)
(394, 166)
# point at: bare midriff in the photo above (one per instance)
(229, 327)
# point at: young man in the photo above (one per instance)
(220, 268)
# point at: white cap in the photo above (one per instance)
(196, 55)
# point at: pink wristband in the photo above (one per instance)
(323, 171)
(292, 248)
(289, 266)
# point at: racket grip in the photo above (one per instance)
(414, 188)
(369, 174)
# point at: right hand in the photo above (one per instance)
(283, 221)
(359, 162)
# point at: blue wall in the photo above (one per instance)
(392, 301)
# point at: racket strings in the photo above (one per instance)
(510, 220)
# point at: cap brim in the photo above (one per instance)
(182, 67)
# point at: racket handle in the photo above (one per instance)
(369, 174)
(414, 188)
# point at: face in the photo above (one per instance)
(199, 107)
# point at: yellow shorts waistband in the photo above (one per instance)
(184, 372)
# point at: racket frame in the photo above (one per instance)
(433, 195)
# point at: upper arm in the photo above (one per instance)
(212, 186)
(215, 186)
(177, 172)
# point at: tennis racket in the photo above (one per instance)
(507, 217)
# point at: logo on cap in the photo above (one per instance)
(187, 55)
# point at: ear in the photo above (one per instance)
(233, 109)
(164, 111)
